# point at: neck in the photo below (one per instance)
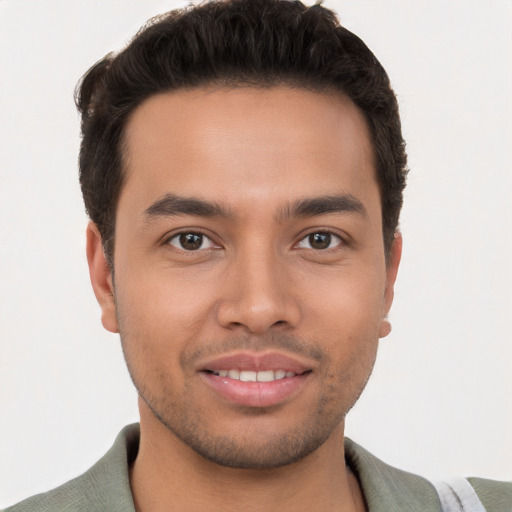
(168, 475)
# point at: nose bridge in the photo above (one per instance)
(258, 295)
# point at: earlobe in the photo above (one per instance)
(101, 278)
(385, 327)
(395, 255)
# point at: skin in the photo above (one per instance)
(256, 284)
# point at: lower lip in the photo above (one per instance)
(255, 394)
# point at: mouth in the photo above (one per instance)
(253, 376)
(256, 380)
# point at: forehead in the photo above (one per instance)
(246, 144)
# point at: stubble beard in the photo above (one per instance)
(257, 450)
(269, 451)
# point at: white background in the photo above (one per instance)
(440, 400)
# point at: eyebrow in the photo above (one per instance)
(171, 205)
(310, 207)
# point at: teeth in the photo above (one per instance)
(246, 376)
(251, 376)
(234, 374)
(266, 376)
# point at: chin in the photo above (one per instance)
(257, 447)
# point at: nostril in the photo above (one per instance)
(257, 312)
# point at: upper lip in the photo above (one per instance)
(255, 361)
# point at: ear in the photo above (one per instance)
(393, 263)
(101, 278)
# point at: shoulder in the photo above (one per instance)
(388, 488)
(495, 496)
(105, 487)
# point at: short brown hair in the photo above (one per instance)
(259, 43)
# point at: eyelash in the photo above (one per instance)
(327, 232)
(204, 238)
(177, 237)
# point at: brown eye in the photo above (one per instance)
(320, 241)
(191, 241)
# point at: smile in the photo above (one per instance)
(251, 379)
(252, 376)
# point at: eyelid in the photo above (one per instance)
(166, 240)
(328, 231)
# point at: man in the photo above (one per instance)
(243, 168)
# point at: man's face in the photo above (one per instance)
(250, 276)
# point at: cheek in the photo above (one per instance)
(349, 300)
(347, 318)
(161, 305)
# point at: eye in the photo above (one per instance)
(320, 241)
(191, 241)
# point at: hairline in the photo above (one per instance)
(235, 83)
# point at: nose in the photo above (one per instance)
(258, 295)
